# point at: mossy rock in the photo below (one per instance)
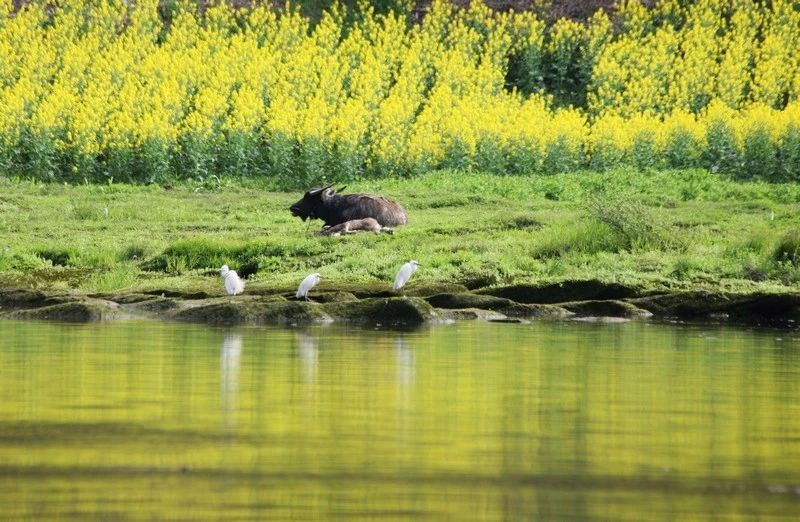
(510, 320)
(253, 312)
(21, 298)
(536, 310)
(125, 299)
(334, 297)
(749, 308)
(156, 304)
(504, 306)
(267, 291)
(182, 294)
(469, 314)
(388, 311)
(601, 319)
(77, 312)
(767, 306)
(566, 291)
(611, 308)
(370, 294)
(434, 289)
(262, 298)
(683, 304)
(363, 290)
(469, 300)
(412, 290)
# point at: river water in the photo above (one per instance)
(144, 420)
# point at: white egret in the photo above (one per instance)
(308, 283)
(404, 274)
(233, 283)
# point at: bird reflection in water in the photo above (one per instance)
(229, 363)
(308, 353)
(405, 369)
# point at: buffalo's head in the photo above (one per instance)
(312, 203)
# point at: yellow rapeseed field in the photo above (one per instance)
(110, 89)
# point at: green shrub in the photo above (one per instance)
(721, 153)
(192, 254)
(560, 156)
(682, 150)
(240, 155)
(588, 237)
(57, 256)
(630, 221)
(788, 248)
(457, 156)
(489, 157)
(282, 161)
(196, 156)
(523, 159)
(134, 252)
(789, 155)
(110, 280)
(525, 70)
(759, 158)
(643, 154)
(312, 166)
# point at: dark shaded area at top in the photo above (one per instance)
(549, 9)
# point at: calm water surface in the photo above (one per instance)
(474, 421)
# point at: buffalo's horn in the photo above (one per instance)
(316, 191)
(341, 189)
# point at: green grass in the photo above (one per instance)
(668, 230)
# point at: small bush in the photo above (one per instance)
(134, 252)
(109, 280)
(313, 160)
(489, 157)
(196, 254)
(759, 158)
(788, 248)
(523, 158)
(240, 155)
(721, 153)
(633, 225)
(88, 212)
(584, 238)
(25, 261)
(57, 256)
(191, 254)
(682, 150)
(643, 153)
(561, 156)
(789, 154)
(457, 156)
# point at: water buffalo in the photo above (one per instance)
(332, 208)
(353, 226)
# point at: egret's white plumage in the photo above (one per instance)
(404, 274)
(307, 284)
(233, 283)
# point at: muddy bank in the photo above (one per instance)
(577, 300)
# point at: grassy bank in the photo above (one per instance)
(676, 230)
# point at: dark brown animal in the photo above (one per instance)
(354, 226)
(332, 208)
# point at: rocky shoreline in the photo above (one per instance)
(578, 300)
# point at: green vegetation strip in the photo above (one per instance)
(668, 231)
